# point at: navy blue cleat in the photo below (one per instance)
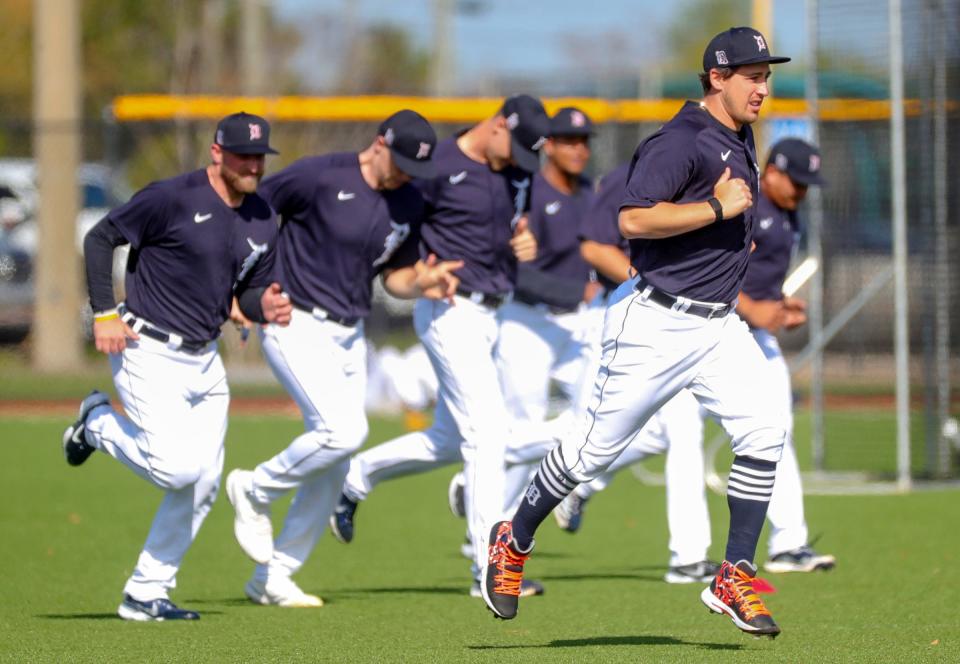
(154, 609)
(341, 521)
(76, 449)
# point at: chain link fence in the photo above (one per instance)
(856, 207)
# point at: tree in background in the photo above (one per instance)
(384, 60)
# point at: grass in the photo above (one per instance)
(398, 593)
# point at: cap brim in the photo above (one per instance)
(769, 59)
(524, 157)
(573, 133)
(250, 149)
(415, 168)
(807, 179)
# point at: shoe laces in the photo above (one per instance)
(738, 589)
(509, 563)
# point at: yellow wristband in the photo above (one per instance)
(105, 316)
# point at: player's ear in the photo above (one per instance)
(216, 154)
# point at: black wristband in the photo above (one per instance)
(717, 208)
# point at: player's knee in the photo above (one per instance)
(763, 442)
(347, 438)
(174, 477)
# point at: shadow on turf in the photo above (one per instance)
(634, 574)
(98, 616)
(638, 640)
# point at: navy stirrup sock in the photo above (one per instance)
(549, 487)
(749, 488)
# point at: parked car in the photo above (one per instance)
(100, 188)
(100, 191)
(16, 290)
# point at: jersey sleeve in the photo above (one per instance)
(290, 190)
(145, 217)
(407, 253)
(662, 166)
(262, 273)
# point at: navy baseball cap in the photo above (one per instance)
(570, 121)
(736, 47)
(411, 140)
(244, 133)
(529, 127)
(798, 159)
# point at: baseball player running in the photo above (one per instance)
(688, 211)
(793, 166)
(676, 429)
(476, 207)
(197, 240)
(346, 218)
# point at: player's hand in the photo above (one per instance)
(734, 194)
(436, 279)
(110, 336)
(794, 312)
(590, 291)
(241, 322)
(276, 305)
(523, 242)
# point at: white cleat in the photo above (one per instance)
(251, 525)
(280, 591)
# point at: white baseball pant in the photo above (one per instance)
(322, 365)
(650, 353)
(172, 436)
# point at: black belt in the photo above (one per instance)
(323, 314)
(175, 341)
(682, 304)
(533, 302)
(485, 299)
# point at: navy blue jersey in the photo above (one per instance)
(337, 233)
(189, 251)
(681, 163)
(555, 221)
(471, 213)
(601, 222)
(776, 235)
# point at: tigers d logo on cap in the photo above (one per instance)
(244, 133)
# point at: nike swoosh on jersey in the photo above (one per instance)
(457, 178)
(725, 155)
(200, 218)
(345, 196)
(552, 208)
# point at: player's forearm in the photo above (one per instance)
(402, 282)
(762, 314)
(607, 259)
(664, 220)
(98, 246)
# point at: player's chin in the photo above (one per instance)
(247, 184)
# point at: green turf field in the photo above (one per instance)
(398, 593)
